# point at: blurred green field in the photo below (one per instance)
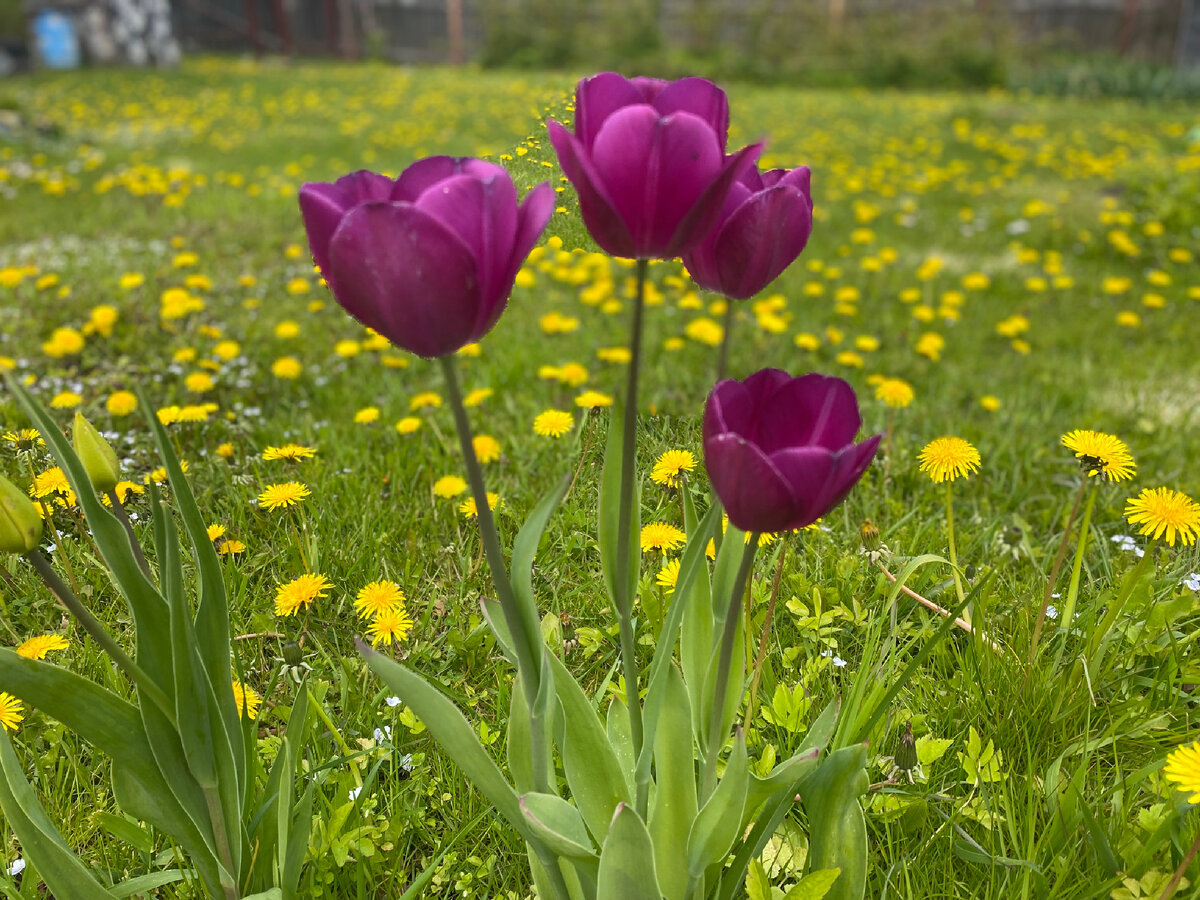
(1027, 265)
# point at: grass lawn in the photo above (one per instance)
(1028, 267)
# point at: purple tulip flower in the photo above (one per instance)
(764, 226)
(780, 451)
(648, 161)
(428, 259)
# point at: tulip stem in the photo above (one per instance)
(733, 617)
(106, 641)
(119, 509)
(624, 603)
(726, 331)
(526, 635)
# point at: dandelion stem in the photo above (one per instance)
(733, 616)
(958, 587)
(1054, 570)
(523, 624)
(119, 509)
(726, 331)
(944, 613)
(106, 641)
(623, 601)
(1169, 890)
(1085, 522)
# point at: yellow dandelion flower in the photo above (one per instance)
(1162, 511)
(52, 481)
(487, 448)
(990, 402)
(288, 453)
(231, 548)
(593, 399)
(947, 458)
(1183, 770)
(705, 331)
(571, 374)
(215, 531)
(477, 396)
(246, 699)
(553, 423)
(661, 536)
(65, 400)
(289, 493)
(11, 711)
(423, 400)
(377, 598)
(390, 625)
(668, 575)
(1100, 454)
(298, 592)
(895, 392)
(23, 438)
(366, 415)
(408, 425)
(225, 451)
(470, 510)
(672, 466)
(121, 403)
(37, 647)
(286, 367)
(449, 486)
(286, 330)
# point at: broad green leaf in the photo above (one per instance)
(524, 550)
(519, 748)
(124, 830)
(272, 894)
(594, 774)
(837, 829)
(610, 514)
(297, 844)
(696, 634)
(627, 860)
(821, 731)
(620, 739)
(782, 778)
(494, 616)
(729, 559)
(559, 826)
(61, 869)
(814, 886)
(674, 807)
(719, 822)
(734, 687)
(144, 884)
(454, 734)
(931, 749)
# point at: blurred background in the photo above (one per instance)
(1147, 48)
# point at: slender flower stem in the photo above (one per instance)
(733, 616)
(1054, 570)
(1085, 522)
(762, 640)
(1169, 890)
(93, 627)
(527, 639)
(958, 586)
(624, 602)
(119, 510)
(337, 735)
(944, 613)
(726, 331)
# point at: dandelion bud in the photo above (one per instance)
(20, 521)
(96, 454)
(906, 753)
(869, 533)
(292, 654)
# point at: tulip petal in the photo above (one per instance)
(599, 213)
(813, 410)
(755, 494)
(483, 212)
(706, 211)
(598, 97)
(655, 169)
(402, 272)
(700, 97)
(425, 173)
(322, 205)
(759, 240)
(852, 463)
(733, 406)
(809, 475)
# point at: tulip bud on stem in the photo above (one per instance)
(624, 602)
(728, 635)
(527, 638)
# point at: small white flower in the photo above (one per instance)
(354, 792)
(1051, 612)
(1192, 582)
(383, 734)
(392, 701)
(17, 867)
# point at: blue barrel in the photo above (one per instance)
(56, 40)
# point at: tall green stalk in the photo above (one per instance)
(958, 586)
(527, 639)
(1068, 612)
(1054, 570)
(726, 331)
(624, 602)
(724, 662)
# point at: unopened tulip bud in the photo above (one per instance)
(96, 454)
(20, 520)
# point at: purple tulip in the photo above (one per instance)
(764, 226)
(427, 260)
(648, 161)
(780, 451)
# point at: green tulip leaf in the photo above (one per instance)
(814, 886)
(837, 828)
(627, 860)
(674, 807)
(559, 826)
(719, 822)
